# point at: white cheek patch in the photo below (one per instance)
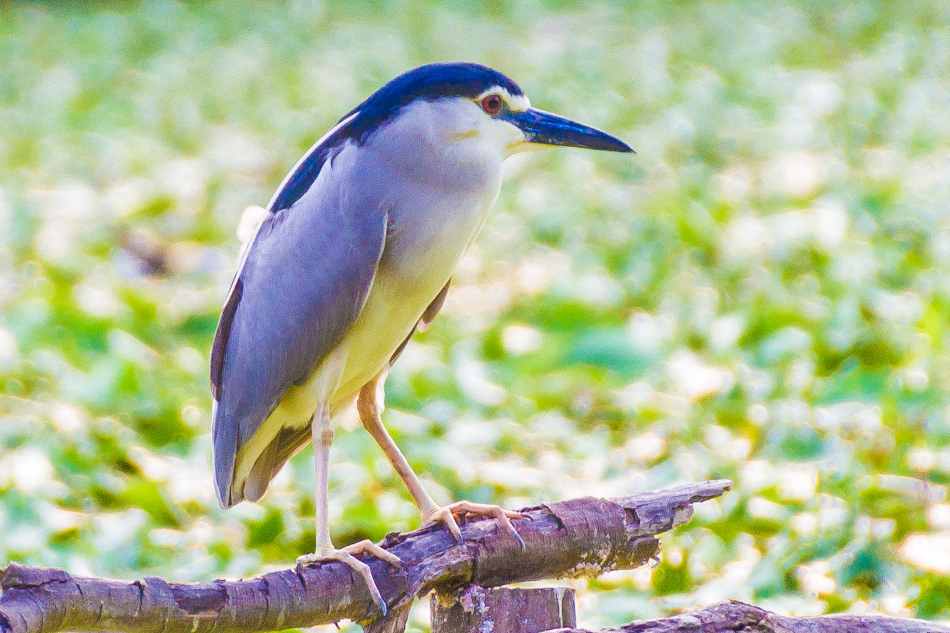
(504, 134)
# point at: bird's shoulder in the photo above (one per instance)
(305, 172)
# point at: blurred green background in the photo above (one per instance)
(761, 293)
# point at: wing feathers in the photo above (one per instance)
(304, 282)
(424, 321)
(430, 312)
(221, 337)
(224, 430)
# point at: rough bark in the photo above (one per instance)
(474, 609)
(738, 617)
(582, 537)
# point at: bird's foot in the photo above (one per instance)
(446, 514)
(346, 555)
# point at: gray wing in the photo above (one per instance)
(303, 283)
(424, 321)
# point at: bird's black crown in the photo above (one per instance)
(432, 81)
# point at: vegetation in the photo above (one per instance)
(762, 293)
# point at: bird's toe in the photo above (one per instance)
(447, 515)
(345, 556)
(369, 547)
(444, 515)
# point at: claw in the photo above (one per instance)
(345, 556)
(444, 515)
(447, 514)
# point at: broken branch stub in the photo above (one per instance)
(474, 609)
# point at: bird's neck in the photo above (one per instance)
(441, 147)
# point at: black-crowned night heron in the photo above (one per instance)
(355, 254)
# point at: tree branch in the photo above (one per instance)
(738, 617)
(582, 537)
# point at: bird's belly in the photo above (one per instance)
(411, 273)
(387, 319)
(408, 278)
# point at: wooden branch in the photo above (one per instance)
(474, 609)
(738, 617)
(583, 537)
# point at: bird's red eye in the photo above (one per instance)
(492, 104)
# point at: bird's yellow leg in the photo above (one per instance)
(322, 439)
(370, 415)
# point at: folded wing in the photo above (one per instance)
(303, 282)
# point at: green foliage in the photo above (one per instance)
(761, 293)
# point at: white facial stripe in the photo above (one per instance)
(517, 103)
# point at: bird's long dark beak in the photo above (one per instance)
(550, 129)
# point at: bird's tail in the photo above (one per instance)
(233, 487)
(287, 442)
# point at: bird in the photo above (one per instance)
(354, 255)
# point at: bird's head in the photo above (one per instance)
(464, 103)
